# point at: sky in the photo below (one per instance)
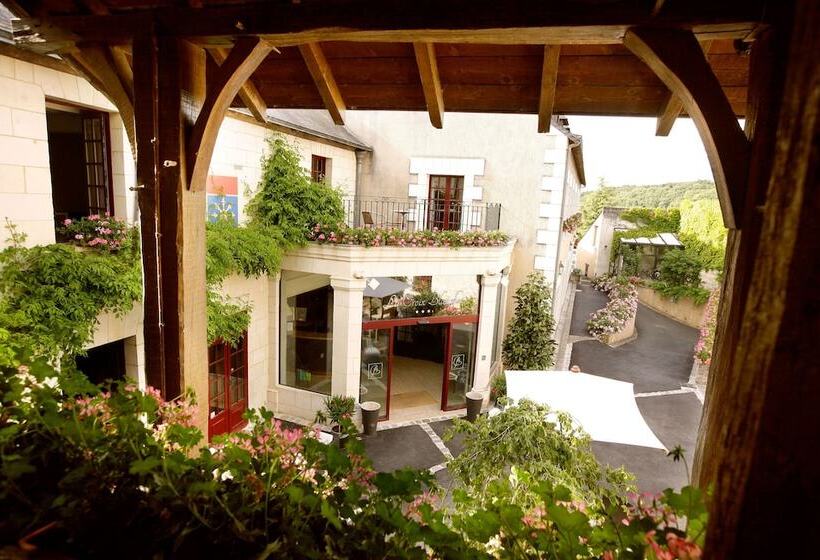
(625, 151)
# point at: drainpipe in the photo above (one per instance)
(357, 200)
(570, 145)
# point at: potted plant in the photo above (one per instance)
(498, 387)
(337, 414)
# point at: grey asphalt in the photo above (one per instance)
(398, 448)
(660, 359)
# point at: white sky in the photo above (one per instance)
(625, 151)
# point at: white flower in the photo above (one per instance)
(226, 476)
(51, 382)
(142, 489)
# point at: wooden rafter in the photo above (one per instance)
(123, 67)
(678, 60)
(243, 59)
(549, 78)
(672, 106)
(325, 82)
(248, 92)
(430, 82)
(97, 65)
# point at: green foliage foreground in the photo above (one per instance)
(121, 474)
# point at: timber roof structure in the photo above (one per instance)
(494, 62)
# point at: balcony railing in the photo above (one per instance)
(421, 214)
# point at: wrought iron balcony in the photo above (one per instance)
(421, 214)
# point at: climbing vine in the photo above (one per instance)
(283, 212)
(51, 295)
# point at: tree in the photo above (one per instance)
(592, 204)
(545, 443)
(529, 344)
(679, 268)
(288, 201)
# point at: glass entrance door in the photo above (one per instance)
(374, 381)
(460, 361)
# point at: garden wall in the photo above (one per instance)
(684, 310)
(624, 335)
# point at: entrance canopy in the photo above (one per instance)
(603, 407)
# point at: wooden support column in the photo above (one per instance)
(549, 77)
(325, 82)
(678, 60)
(761, 419)
(430, 83)
(172, 223)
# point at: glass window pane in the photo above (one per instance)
(216, 380)
(307, 334)
(462, 353)
(374, 374)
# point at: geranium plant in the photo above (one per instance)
(103, 232)
(382, 237)
(706, 335)
(621, 307)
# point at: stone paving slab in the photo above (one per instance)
(408, 447)
(455, 445)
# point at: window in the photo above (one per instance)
(320, 169)
(307, 333)
(79, 158)
(445, 202)
(227, 386)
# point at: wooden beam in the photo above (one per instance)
(430, 82)
(96, 64)
(248, 92)
(672, 106)
(763, 396)
(525, 21)
(123, 68)
(323, 78)
(243, 59)
(549, 77)
(678, 60)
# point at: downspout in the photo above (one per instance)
(570, 144)
(357, 200)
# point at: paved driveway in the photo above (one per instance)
(658, 364)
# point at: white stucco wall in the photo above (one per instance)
(503, 159)
(594, 248)
(25, 177)
(241, 145)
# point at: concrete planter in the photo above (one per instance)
(370, 417)
(623, 336)
(474, 402)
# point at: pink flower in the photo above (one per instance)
(78, 236)
(67, 222)
(94, 217)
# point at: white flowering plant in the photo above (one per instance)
(621, 307)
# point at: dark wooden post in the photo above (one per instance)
(761, 424)
(172, 218)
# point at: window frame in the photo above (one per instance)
(318, 168)
(105, 116)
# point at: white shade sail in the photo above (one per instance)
(605, 408)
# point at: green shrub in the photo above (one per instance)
(529, 344)
(288, 201)
(675, 292)
(122, 474)
(679, 268)
(545, 443)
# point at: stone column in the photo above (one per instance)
(347, 335)
(486, 327)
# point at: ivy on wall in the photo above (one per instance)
(283, 211)
(51, 295)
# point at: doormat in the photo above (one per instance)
(408, 400)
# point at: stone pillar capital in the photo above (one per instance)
(348, 283)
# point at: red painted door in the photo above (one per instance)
(445, 200)
(227, 386)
